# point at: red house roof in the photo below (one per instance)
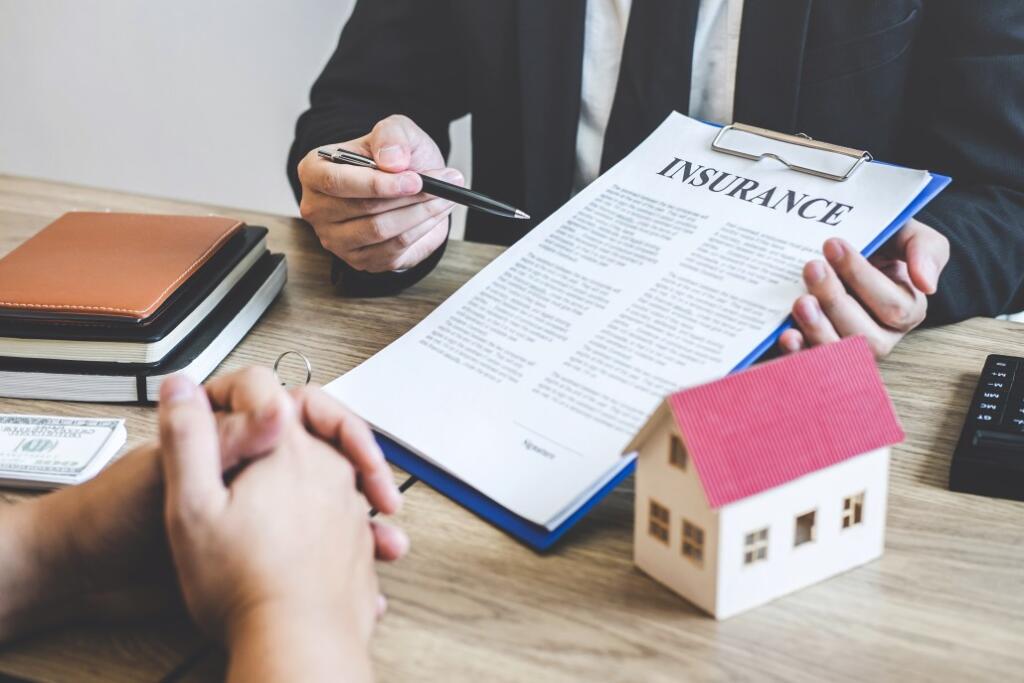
(765, 426)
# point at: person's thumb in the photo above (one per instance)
(927, 253)
(189, 449)
(392, 141)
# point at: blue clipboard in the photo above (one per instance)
(541, 538)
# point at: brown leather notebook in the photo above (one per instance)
(107, 265)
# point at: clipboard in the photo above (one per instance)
(793, 152)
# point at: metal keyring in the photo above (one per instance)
(309, 366)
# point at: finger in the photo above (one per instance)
(880, 261)
(387, 225)
(393, 225)
(348, 238)
(391, 256)
(248, 435)
(323, 210)
(429, 243)
(926, 252)
(355, 182)
(390, 542)
(893, 305)
(189, 449)
(331, 421)
(390, 144)
(394, 141)
(398, 252)
(791, 341)
(382, 605)
(846, 315)
(253, 389)
(898, 272)
(331, 216)
(816, 328)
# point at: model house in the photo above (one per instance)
(766, 481)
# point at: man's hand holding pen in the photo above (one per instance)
(379, 220)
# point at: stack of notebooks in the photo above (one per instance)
(103, 306)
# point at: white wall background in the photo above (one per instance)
(191, 99)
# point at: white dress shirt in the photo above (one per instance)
(712, 85)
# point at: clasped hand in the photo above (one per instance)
(260, 492)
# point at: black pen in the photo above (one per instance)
(438, 188)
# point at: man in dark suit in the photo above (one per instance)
(935, 84)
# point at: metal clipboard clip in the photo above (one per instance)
(836, 162)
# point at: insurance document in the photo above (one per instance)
(667, 271)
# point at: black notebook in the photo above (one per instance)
(198, 356)
(128, 340)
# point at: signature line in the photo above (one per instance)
(548, 438)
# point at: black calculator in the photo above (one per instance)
(989, 458)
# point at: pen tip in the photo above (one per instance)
(522, 215)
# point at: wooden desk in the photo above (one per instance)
(469, 604)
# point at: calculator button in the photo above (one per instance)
(1000, 366)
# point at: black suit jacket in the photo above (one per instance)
(935, 84)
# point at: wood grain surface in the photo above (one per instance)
(471, 604)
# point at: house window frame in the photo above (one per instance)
(695, 540)
(654, 521)
(677, 455)
(755, 547)
(851, 515)
(814, 528)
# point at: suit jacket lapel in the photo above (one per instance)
(769, 63)
(550, 75)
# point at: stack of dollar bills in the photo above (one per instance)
(43, 452)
